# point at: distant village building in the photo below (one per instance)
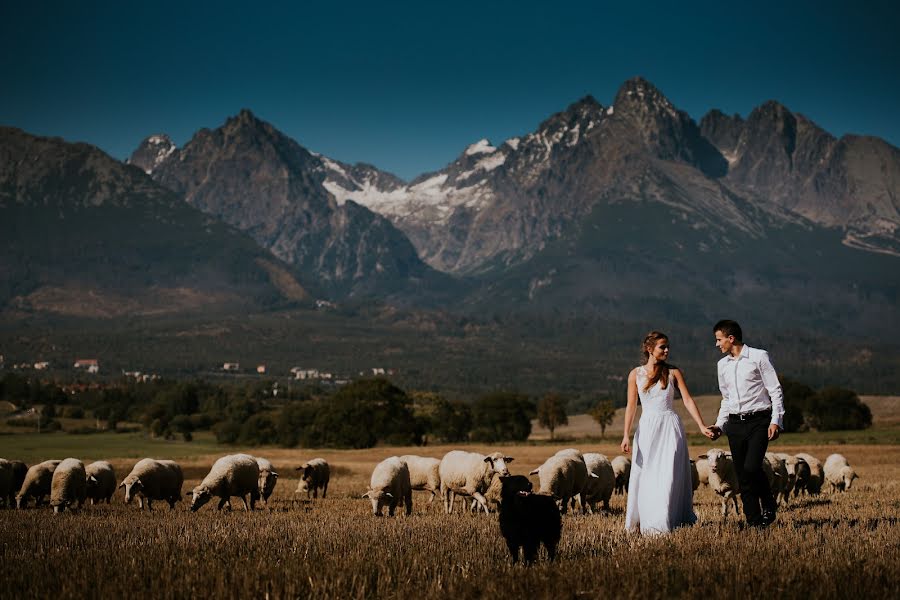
(231, 366)
(91, 365)
(320, 304)
(305, 373)
(42, 366)
(377, 371)
(261, 369)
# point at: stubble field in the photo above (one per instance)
(831, 546)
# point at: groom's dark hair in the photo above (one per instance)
(729, 327)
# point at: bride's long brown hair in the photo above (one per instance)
(661, 372)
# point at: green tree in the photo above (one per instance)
(603, 413)
(551, 412)
(837, 408)
(502, 416)
(797, 404)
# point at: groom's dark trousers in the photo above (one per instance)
(749, 440)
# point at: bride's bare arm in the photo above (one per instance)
(630, 409)
(689, 403)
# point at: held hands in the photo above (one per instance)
(625, 446)
(712, 432)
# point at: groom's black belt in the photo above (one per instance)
(745, 416)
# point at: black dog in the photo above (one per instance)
(527, 520)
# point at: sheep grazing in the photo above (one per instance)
(601, 481)
(816, 476)
(780, 489)
(67, 488)
(6, 480)
(528, 520)
(100, 482)
(151, 480)
(268, 477)
(622, 468)
(37, 483)
(839, 473)
(8, 490)
(424, 474)
(389, 485)
(702, 466)
(316, 474)
(793, 467)
(723, 479)
(469, 474)
(802, 474)
(563, 476)
(232, 475)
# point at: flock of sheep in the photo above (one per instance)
(69, 483)
(571, 478)
(787, 474)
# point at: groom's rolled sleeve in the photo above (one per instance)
(773, 386)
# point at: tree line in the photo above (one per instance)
(360, 414)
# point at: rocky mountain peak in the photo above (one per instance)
(639, 94)
(152, 152)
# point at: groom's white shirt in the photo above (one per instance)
(749, 383)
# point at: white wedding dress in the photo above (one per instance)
(660, 494)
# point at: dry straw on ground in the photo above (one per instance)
(832, 546)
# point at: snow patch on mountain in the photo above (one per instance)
(482, 146)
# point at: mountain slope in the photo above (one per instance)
(82, 233)
(252, 177)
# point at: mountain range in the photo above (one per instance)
(631, 212)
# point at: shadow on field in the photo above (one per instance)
(807, 503)
(835, 522)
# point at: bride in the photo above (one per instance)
(660, 494)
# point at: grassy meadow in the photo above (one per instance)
(830, 546)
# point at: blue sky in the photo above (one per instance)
(407, 86)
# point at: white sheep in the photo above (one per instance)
(723, 479)
(816, 476)
(151, 480)
(802, 474)
(792, 465)
(268, 477)
(389, 486)
(67, 488)
(563, 476)
(100, 482)
(702, 470)
(781, 480)
(622, 468)
(600, 482)
(316, 475)
(424, 473)
(839, 473)
(469, 474)
(37, 483)
(232, 475)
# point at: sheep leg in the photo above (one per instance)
(248, 506)
(315, 491)
(149, 504)
(324, 490)
(222, 503)
(408, 500)
(513, 551)
(529, 551)
(481, 500)
(550, 545)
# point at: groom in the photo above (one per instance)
(751, 414)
